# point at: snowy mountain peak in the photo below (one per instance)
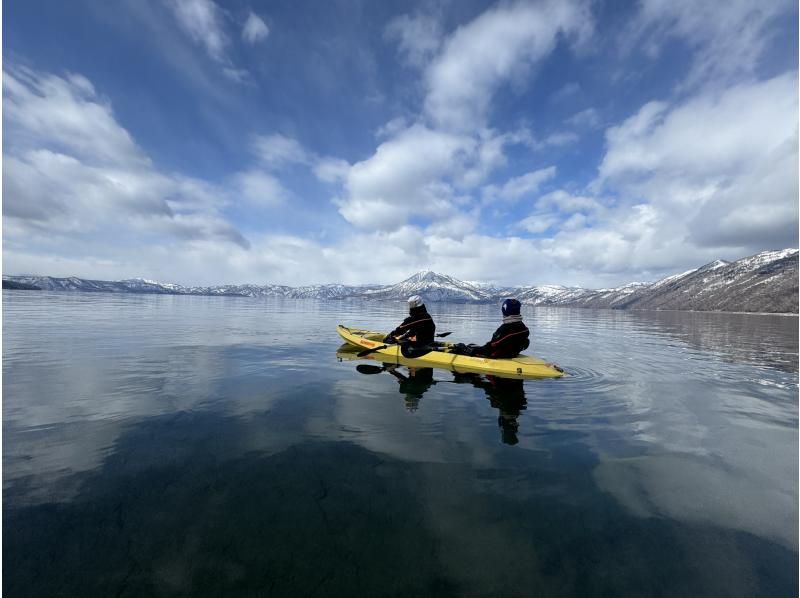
(766, 257)
(432, 287)
(715, 265)
(426, 276)
(141, 281)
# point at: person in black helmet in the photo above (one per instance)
(417, 329)
(507, 341)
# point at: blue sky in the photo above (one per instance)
(589, 143)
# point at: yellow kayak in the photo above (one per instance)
(522, 366)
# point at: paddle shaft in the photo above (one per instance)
(379, 348)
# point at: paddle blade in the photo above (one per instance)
(369, 369)
(444, 334)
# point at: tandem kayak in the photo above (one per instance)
(522, 366)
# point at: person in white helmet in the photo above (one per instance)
(417, 329)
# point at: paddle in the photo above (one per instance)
(366, 352)
(374, 369)
(363, 368)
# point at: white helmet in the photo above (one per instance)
(414, 301)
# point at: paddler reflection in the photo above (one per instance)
(507, 395)
(413, 385)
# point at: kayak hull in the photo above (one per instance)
(522, 366)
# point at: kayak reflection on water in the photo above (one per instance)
(507, 395)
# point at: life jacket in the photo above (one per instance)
(507, 341)
(418, 327)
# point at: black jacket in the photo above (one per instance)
(507, 341)
(419, 326)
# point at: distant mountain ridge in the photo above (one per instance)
(765, 282)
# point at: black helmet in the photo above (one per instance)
(511, 307)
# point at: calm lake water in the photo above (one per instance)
(176, 446)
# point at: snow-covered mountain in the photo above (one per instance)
(432, 286)
(72, 283)
(765, 282)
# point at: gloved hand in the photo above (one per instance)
(462, 349)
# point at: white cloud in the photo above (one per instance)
(201, 227)
(539, 222)
(553, 140)
(427, 168)
(276, 151)
(758, 209)
(61, 196)
(456, 226)
(706, 176)
(715, 133)
(255, 29)
(560, 211)
(331, 170)
(391, 128)
(63, 193)
(70, 170)
(714, 176)
(575, 222)
(588, 119)
(398, 254)
(406, 175)
(373, 214)
(261, 188)
(235, 74)
(566, 202)
(489, 154)
(491, 49)
(517, 187)
(621, 158)
(418, 37)
(626, 242)
(202, 20)
(292, 260)
(559, 139)
(727, 39)
(64, 114)
(506, 260)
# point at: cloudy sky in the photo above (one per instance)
(215, 142)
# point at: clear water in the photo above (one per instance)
(167, 446)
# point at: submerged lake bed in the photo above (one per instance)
(179, 445)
